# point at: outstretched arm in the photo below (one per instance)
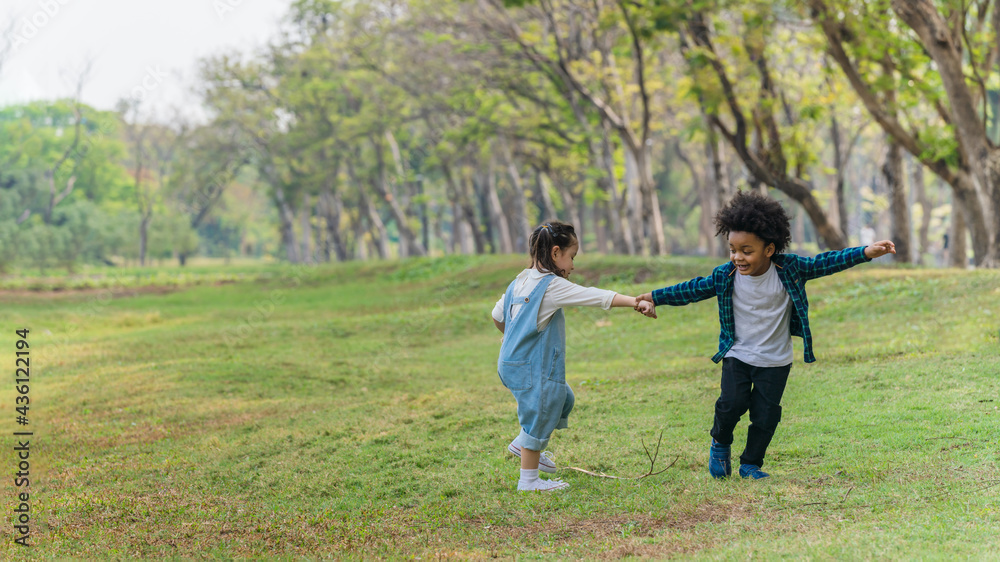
(697, 289)
(836, 261)
(646, 308)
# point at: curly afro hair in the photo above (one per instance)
(750, 211)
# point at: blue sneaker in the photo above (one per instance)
(719, 465)
(752, 471)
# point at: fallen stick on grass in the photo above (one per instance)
(652, 465)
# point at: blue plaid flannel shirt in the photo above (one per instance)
(793, 271)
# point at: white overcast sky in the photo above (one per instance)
(153, 45)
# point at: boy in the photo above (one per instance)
(759, 310)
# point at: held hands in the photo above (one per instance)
(644, 304)
(646, 308)
(879, 249)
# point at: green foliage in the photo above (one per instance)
(95, 221)
(396, 103)
(37, 136)
(10, 244)
(172, 235)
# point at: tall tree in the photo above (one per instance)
(560, 57)
(759, 124)
(946, 126)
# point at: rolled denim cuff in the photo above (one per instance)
(526, 441)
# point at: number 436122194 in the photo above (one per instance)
(22, 365)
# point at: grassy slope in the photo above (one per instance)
(356, 410)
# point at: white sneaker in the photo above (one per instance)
(545, 462)
(539, 485)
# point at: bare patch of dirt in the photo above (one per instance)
(705, 513)
(618, 533)
(144, 433)
(116, 293)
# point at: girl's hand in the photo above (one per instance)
(879, 249)
(647, 308)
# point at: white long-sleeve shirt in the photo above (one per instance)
(559, 294)
(762, 310)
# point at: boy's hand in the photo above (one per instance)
(643, 297)
(646, 308)
(879, 249)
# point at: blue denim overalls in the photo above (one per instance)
(532, 366)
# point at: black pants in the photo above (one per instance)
(758, 389)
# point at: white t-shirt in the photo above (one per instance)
(559, 294)
(763, 314)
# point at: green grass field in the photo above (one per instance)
(354, 411)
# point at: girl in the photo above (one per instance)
(532, 363)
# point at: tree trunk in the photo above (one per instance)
(798, 231)
(966, 197)
(424, 217)
(544, 198)
(306, 222)
(521, 229)
(143, 236)
(980, 158)
(437, 225)
(287, 217)
(481, 195)
(496, 211)
(993, 173)
(926, 209)
(598, 210)
(461, 232)
(569, 206)
(456, 220)
(899, 210)
(334, 206)
(573, 89)
(608, 183)
(717, 191)
(634, 203)
(402, 178)
(838, 184)
(705, 193)
(319, 236)
(324, 249)
(380, 236)
(766, 163)
(360, 243)
(467, 213)
(477, 233)
(956, 246)
(652, 219)
(380, 184)
(54, 199)
(621, 231)
(828, 231)
(707, 243)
